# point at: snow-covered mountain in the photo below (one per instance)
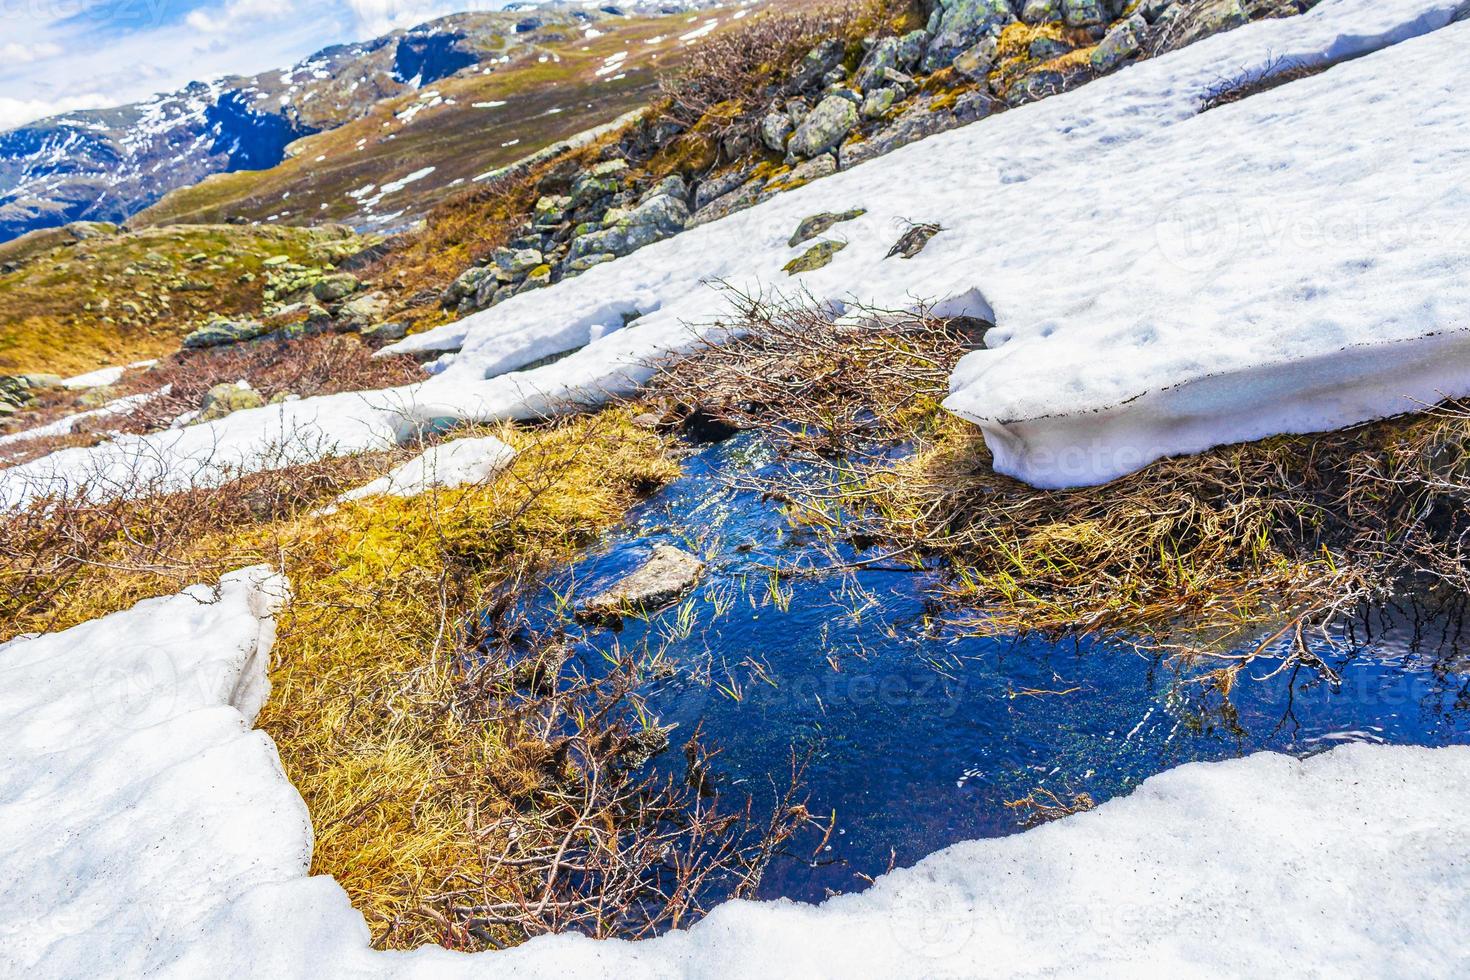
(108, 164)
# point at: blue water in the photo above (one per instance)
(917, 735)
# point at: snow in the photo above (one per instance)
(67, 424)
(1081, 223)
(444, 466)
(150, 832)
(1123, 335)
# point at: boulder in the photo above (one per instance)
(976, 61)
(813, 225)
(666, 577)
(813, 258)
(226, 399)
(824, 127)
(516, 261)
(1122, 42)
(916, 123)
(961, 23)
(654, 219)
(776, 129)
(818, 62)
(910, 51)
(883, 55)
(877, 102)
(385, 331)
(1084, 13)
(336, 287)
(362, 310)
(467, 283)
(1041, 11)
(218, 333)
(1185, 23)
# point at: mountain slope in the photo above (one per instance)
(107, 164)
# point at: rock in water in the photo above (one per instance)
(665, 578)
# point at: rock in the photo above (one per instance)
(911, 50)
(916, 123)
(776, 129)
(976, 61)
(824, 127)
(1186, 23)
(666, 577)
(516, 261)
(671, 186)
(744, 196)
(883, 55)
(878, 102)
(1122, 42)
(335, 287)
(226, 399)
(912, 241)
(362, 310)
(588, 261)
(218, 333)
(1152, 10)
(814, 169)
(1041, 11)
(813, 258)
(718, 187)
(551, 209)
(1046, 48)
(592, 186)
(818, 61)
(466, 284)
(385, 331)
(654, 219)
(961, 24)
(537, 278)
(1084, 13)
(816, 224)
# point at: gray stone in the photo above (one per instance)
(335, 287)
(218, 333)
(883, 55)
(813, 258)
(776, 129)
(1041, 11)
(1084, 13)
(818, 61)
(671, 186)
(362, 310)
(465, 284)
(718, 187)
(914, 124)
(385, 331)
(911, 49)
(976, 61)
(878, 102)
(654, 219)
(551, 209)
(961, 24)
(588, 261)
(226, 399)
(666, 577)
(814, 169)
(744, 196)
(1122, 42)
(517, 261)
(814, 225)
(1185, 23)
(824, 128)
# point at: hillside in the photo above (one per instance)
(107, 164)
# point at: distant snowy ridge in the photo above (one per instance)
(150, 832)
(1069, 221)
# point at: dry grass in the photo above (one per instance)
(458, 798)
(1218, 557)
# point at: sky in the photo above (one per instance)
(60, 55)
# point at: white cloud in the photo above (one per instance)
(26, 53)
(17, 112)
(237, 12)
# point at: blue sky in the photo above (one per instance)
(58, 55)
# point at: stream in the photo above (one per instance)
(917, 736)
